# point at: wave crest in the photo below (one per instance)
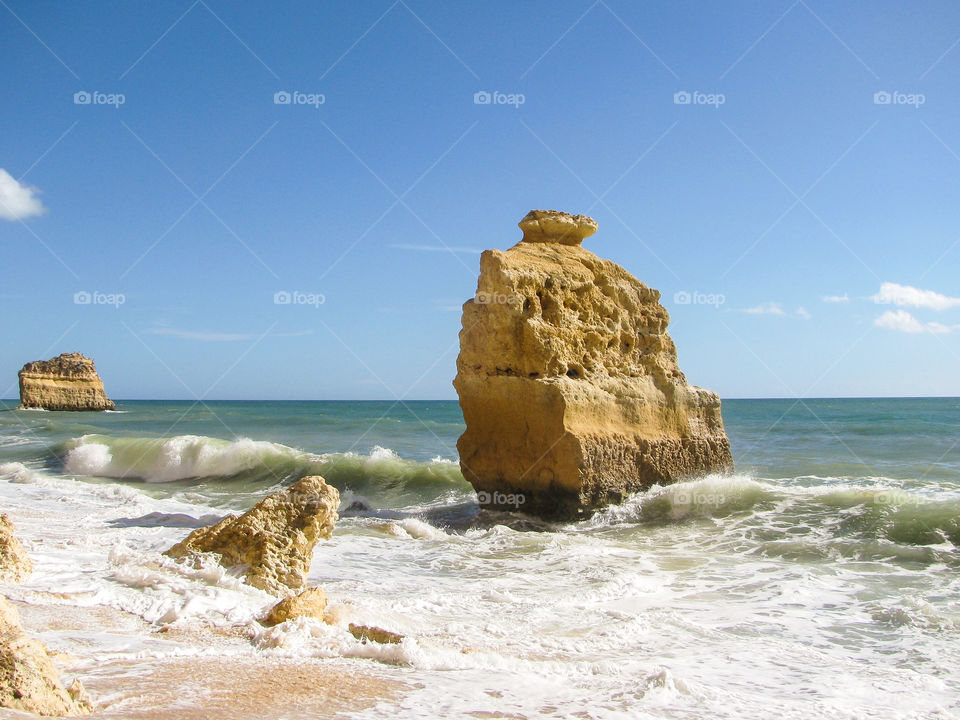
(199, 458)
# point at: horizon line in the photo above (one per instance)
(400, 402)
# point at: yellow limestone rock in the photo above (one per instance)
(28, 679)
(66, 382)
(312, 602)
(369, 633)
(569, 382)
(15, 564)
(274, 539)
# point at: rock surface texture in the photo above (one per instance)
(15, 564)
(28, 679)
(569, 382)
(312, 603)
(67, 382)
(275, 539)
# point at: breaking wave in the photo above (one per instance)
(199, 458)
(822, 509)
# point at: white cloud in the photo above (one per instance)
(17, 201)
(837, 298)
(902, 321)
(803, 313)
(204, 336)
(769, 308)
(907, 296)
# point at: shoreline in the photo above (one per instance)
(220, 673)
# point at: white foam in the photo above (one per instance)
(89, 459)
(618, 618)
(413, 528)
(382, 453)
(18, 472)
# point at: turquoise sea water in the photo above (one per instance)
(823, 575)
(901, 438)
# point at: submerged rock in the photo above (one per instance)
(274, 539)
(374, 634)
(67, 382)
(15, 564)
(569, 382)
(312, 602)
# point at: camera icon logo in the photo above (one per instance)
(483, 497)
(81, 298)
(681, 98)
(482, 98)
(681, 298)
(281, 97)
(81, 98)
(881, 98)
(281, 297)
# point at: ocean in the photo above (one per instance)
(819, 580)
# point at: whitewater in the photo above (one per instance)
(820, 580)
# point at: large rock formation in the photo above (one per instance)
(274, 539)
(28, 679)
(66, 382)
(569, 382)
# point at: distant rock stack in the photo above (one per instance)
(67, 382)
(569, 382)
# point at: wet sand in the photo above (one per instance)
(212, 673)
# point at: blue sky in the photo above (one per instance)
(813, 225)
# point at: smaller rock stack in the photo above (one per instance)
(67, 382)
